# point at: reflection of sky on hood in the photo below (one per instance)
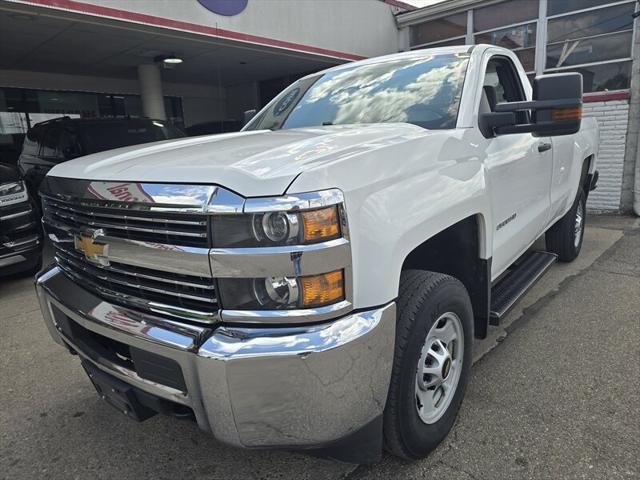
(424, 91)
(179, 194)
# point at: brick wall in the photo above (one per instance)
(612, 116)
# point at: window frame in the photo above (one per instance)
(515, 77)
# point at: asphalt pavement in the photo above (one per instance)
(555, 393)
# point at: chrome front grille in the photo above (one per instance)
(118, 220)
(151, 255)
(173, 294)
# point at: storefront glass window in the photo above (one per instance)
(556, 7)
(603, 77)
(589, 50)
(504, 13)
(521, 39)
(132, 104)
(440, 29)
(64, 103)
(591, 23)
(512, 38)
(13, 124)
(527, 57)
(584, 41)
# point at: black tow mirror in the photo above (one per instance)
(556, 108)
(248, 116)
(493, 122)
(561, 94)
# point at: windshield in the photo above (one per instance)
(424, 91)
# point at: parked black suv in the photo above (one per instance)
(61, 139)
(20, 231)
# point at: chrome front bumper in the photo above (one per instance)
(250, 387)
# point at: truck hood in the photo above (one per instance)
(254, 163)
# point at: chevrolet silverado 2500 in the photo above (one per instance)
(316, 280)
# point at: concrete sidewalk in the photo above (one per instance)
(558, 398)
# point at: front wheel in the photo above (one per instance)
(565, 237)
(432, 361)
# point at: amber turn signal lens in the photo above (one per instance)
(321, 224)
(559, 114)
(318, 290)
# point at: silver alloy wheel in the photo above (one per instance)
(579, 225)
(439, 367)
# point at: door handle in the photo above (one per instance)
(543, 147)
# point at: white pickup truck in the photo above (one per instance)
(316, 280)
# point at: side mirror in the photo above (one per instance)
(556, 108)
(559, 100)
(248, 115)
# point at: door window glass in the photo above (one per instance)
(501, 84)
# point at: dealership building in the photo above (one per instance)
(197, 62)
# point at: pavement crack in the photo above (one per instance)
(20, 314)
(629, 275)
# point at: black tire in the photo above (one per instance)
(561, 237)
(424, 297)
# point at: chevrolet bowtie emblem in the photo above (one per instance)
(93, 250)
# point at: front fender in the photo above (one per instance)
(397, 197)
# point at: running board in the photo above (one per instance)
(523, 275)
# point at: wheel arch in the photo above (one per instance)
(460, 250)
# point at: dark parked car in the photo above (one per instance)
(210, 128)
(20, 231)
(61, 139)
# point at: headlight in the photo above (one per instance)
(284, 226)
(271, 229)
(13, 192)
(278, 293)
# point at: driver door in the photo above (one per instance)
(519, 168)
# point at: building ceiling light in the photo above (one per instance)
(168, 59)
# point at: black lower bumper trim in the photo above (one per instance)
(133, 402)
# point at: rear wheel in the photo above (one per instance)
(565, 237)
(432, 361)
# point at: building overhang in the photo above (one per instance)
(66, 37)
(438, 10)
